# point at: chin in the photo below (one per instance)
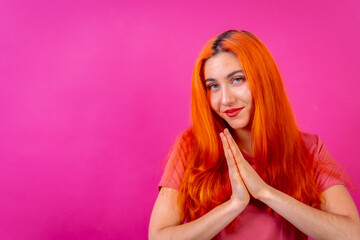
(238, 125)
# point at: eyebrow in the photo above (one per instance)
(227, 76)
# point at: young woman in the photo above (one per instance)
(243, 170)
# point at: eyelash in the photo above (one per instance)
(211, 85)
(241, 78)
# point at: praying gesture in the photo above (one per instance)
(240, 193)
(241, 173)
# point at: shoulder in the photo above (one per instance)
(186, 137)
(183, 144)
(313, 143)
(181, 150)
(327, 170)
(309, 137)
(177, 160)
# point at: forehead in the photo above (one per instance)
(221, 64)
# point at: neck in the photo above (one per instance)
(243, 139)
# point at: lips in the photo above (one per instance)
(233, 112)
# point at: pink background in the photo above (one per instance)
(93, 94)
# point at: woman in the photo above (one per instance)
(243, 170)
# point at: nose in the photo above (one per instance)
(227, 97)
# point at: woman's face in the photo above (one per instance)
(228, 90)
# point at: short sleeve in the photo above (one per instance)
(176, 162)
(327, 172)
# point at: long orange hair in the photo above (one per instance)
(281, 157)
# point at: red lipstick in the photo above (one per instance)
(233, 112)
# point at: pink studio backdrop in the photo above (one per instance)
(93, 94)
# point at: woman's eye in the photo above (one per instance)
(238, 79)
(212, 86)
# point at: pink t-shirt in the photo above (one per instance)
(255, 222)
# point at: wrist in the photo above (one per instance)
(237, 205)
(266, 194)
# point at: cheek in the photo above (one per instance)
(213, 102)
(248, 95)
(250, 102)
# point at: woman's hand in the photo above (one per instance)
(240, 195)
(254, 184)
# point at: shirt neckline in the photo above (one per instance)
(248, 157)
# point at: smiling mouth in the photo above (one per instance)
(233, 112)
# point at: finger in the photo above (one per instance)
(230, 159)
(224, 141)
(234, 171)
(233, 145)
(231, 141)
(228, 154)
(238, 157)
